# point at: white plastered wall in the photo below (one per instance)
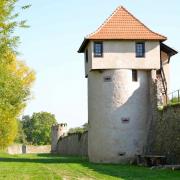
(121, 54)
(109, 138)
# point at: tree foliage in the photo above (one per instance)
(15, 77)
(38, 127)
(21, 137)
(79, 129)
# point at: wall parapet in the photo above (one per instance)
(73, 144)
(28, 149)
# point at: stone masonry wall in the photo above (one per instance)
(166, 130)
(28, 149)
(15, 149)
(74, 144)
(153, 112)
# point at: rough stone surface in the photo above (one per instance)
(74, 144)
(166, 130)
(153, 111)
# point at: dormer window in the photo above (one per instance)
(98, 49)
(140, 49)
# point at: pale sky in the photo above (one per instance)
(57, 29)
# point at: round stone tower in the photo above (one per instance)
(57, 131)
(117, 114)
(120, 58)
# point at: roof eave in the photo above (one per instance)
(168, 49)
(83, 45)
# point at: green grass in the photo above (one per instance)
(46, 166)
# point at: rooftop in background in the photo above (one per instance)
(122, 25)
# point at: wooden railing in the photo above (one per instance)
(174, 97)
(164, 82)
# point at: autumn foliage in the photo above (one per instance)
(15, 77)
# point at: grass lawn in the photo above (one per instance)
(46, 166)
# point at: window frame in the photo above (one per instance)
(101, 53)
(143, 50)
(134, 75)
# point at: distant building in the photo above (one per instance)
(123, 58)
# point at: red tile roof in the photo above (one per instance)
(122, 25)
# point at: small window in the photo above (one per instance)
(107, 79)
(86, 56)
(140, 49)
(98, 49)
(158, 72)
(134, 75)
(125, 120)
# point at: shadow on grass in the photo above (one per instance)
(49, 159)
(126, 172)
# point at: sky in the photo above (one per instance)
(57, 29)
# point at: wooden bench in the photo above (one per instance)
(151, 160)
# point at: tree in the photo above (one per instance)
(21, 137)
(38, 127)
(15, 77)
(85, 126)
(79, 129)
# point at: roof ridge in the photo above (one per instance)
(106, 20)
(142, 22)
